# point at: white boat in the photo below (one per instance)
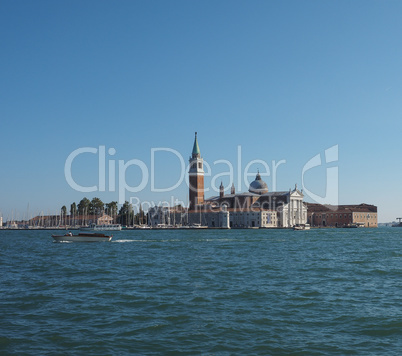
(82, 237)
(198, 226)
(301, 227)
(104, 227)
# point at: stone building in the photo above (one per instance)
(253, 209)
(105, 220)
(363, 215)
(260, 208)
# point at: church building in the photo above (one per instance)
(257, 208)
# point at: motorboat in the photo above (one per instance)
(198, 226)
(82, 237)
(301, 227)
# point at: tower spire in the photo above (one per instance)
(196, 148)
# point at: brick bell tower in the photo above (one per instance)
(196, 177)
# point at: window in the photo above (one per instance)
(199, 165)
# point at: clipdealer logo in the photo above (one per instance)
(331, 195)
(107, 173)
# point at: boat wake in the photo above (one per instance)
(121, 241)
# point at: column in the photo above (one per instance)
(292, 221)
(298, 212)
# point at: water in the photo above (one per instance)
(212, 292)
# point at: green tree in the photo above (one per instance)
(73, 209)
(63, 215)
(83, 206)
(141, 216)
(96, 206)
(111, 208)
(126, 214)
(73, 212)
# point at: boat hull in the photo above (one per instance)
(82, 238)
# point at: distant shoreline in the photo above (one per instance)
(184, 229)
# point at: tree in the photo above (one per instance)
(111, 208)
(63, 214)
(141, 216)
(73, 209)
(73, 212)
(83, 206)
(96, 206)
(125, 214)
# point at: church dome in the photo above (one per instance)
(258, 186)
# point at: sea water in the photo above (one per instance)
(211, 292)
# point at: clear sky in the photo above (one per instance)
(284, 80)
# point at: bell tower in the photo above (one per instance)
(196, 177)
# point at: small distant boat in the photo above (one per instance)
(82, 237)
(103, 227)
(351, 226)
(301, 227)
(197, 226)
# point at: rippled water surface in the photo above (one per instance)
(215, 292)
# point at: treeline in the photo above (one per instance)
(125, 215)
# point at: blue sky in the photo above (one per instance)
(283, 80)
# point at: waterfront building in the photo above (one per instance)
(363, 215)
(257, 208)
(105, 220)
